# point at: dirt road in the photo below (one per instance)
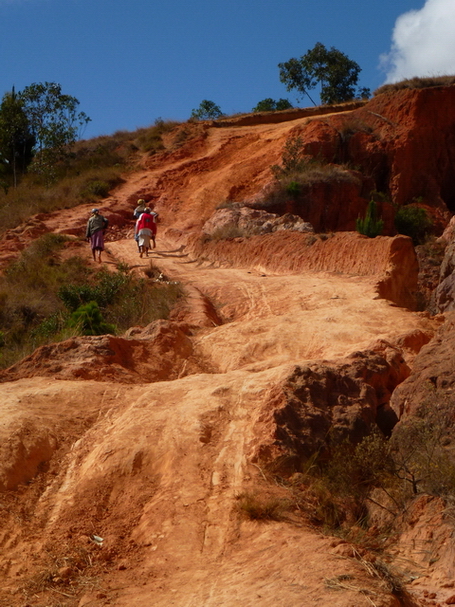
(155, 469)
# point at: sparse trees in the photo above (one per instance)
(16, 139)
(207, 110)
(52, 116)
(332, 69)
(270, 105)
(54, 121)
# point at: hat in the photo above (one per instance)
(95, 211)
(141, 201)
(147, 210)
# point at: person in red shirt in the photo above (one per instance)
(145, 231)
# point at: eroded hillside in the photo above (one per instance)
(125, 460)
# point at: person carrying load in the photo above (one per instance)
(145, 231)
(94, 233)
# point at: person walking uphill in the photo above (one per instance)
(141, 206)
(96, 225)
(145, 231)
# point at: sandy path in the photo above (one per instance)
(155, 468)
(273, 320)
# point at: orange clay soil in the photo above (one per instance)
(154, 470)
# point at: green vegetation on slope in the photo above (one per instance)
(46, 299)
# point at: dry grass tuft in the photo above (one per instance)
(262, 507)
(416, 83)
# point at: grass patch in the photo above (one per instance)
(227, 231)
(261, 507)
(416, 83)
(86, 173)
(57, 290)
(150, 140)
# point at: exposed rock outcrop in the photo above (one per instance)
(252, 221)
(161, 351)
(433, 373)
(323, 404)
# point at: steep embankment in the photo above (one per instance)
(123, 459)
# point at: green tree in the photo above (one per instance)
(413, 221)
(270, 105)
(16, 139)
(370, 225)
(89, 320)
(332, 69)
(207, 110)
(54, 122)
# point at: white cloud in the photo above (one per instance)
(423, 42)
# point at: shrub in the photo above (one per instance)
(270, 105)
(89, 320)
(95, 189)
(292, 158)
(419, 447)
(293, 188)
(261, 507)
(103, 291)
(416, 83)
(55, 290)
(370, 225)
(207, 110)
(413, 221)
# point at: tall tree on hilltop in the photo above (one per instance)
(207, 110)
(53, 116)
(16, 139)
(332, 69)
(270, 105)
(54, 122)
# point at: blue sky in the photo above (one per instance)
(130, 62)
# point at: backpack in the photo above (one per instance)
(147, 221)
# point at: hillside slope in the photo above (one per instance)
(122, 477)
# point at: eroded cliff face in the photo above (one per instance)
(401, 145)
(123, 458)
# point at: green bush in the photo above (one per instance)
(370, 225)
(270, 105)
(103, 291)
(293, 188)
(89, 320)
(207, 110)
(56, 289)
(95, 189)
(413, 221)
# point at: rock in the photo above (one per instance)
(322, 403)
(444, 296)
(65, 573)
(248, 221)
(432, 372)
(161, 351)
